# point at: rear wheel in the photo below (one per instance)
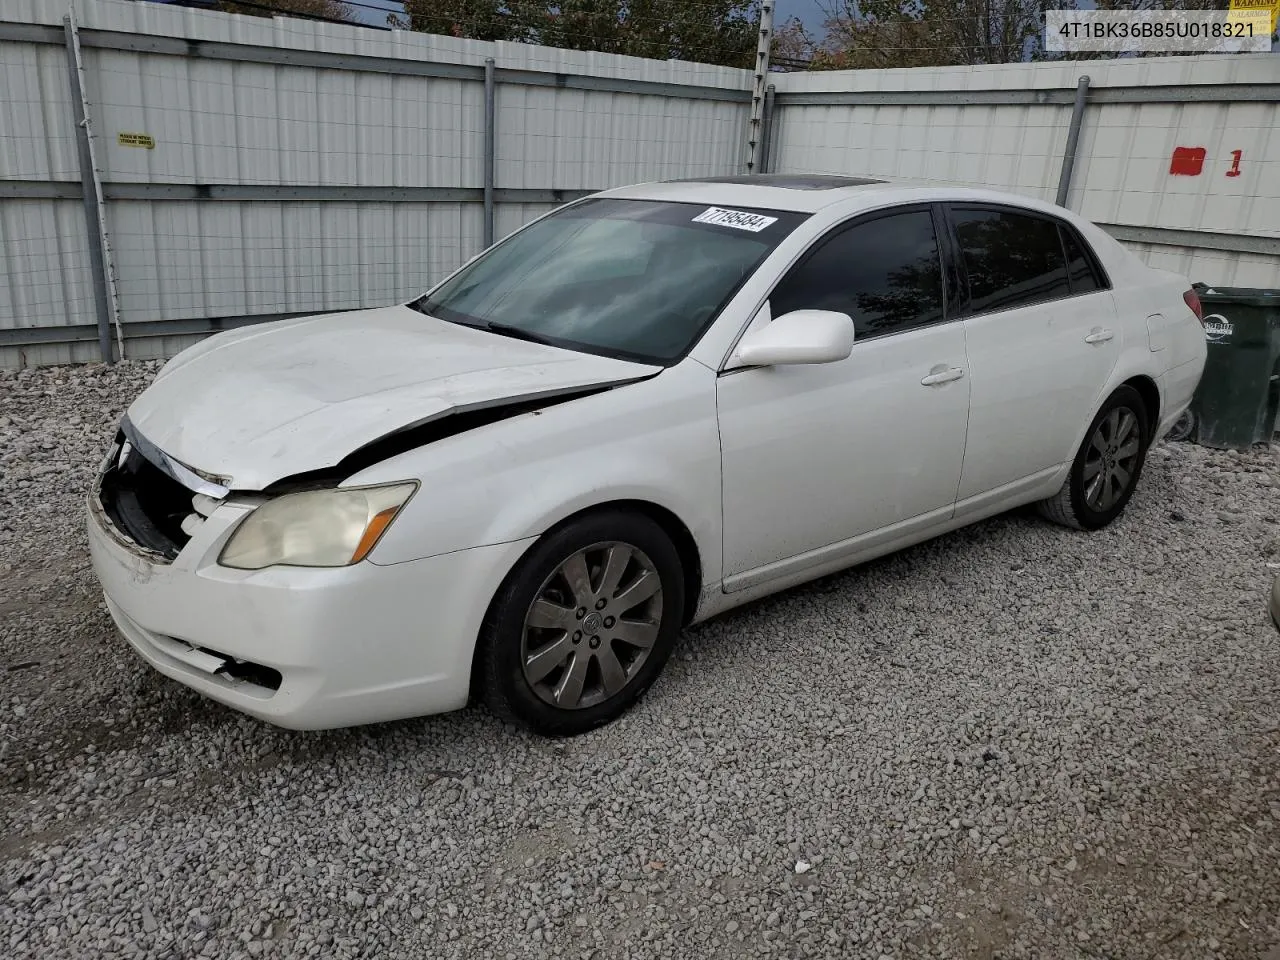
(583, 625)
(1107, 466)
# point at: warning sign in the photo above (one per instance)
(136, 140)
(1253, 7)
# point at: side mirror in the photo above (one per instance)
(802, 336)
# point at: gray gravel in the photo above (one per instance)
(1017, 741)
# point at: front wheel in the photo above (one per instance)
(583, 625)
(1107, 466)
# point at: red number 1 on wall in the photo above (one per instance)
(1235, 163)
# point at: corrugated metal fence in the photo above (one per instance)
(249, 169)
(1007, 127)
(253, 168)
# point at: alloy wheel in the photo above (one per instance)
(1112, 459)
(592, 625)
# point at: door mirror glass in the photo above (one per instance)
(801, 336)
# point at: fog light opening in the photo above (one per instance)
(246, 671)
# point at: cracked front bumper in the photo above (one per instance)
(351, 645)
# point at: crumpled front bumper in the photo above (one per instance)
(350, 645)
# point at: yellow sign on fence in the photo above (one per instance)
(136, 140)
(1253, 7)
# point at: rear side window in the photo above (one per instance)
(885, 273)
(1012, 259)
(1080, 270)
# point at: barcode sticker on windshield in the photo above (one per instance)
(737, 219)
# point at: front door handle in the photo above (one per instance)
(942, 374)
(1098, 335)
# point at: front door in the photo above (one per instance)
(813, 455)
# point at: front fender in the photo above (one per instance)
(656, 441)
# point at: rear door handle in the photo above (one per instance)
(1098, 335)
(942, 374)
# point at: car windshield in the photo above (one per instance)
(637, 279)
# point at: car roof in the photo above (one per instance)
(809, 193)
(788, 181)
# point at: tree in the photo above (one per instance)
(710, 31)
(926, 33)
(792, 46)
(304, 9)
(474, 19)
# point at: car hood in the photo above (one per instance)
(255, 405)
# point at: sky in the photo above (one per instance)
(808, 12)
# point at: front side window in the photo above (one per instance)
(1013, 260)
(638, 279)
(885, 273)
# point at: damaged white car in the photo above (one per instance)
(647, 407)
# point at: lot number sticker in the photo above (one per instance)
(738, 219)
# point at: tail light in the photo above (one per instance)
(1193, 302)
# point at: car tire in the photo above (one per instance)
(1107, 466)
(564, 649)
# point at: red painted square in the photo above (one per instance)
(1187, 161)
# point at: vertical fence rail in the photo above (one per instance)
(1073, 141)
(95, 210)
(490, 146)
(766, 132)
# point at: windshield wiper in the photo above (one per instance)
(421, 306)
(519, 333)
(493, 326)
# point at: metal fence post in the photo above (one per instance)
(1073, 140)
(95, 210)
(490, 125)
(755, 133)
(766, 132)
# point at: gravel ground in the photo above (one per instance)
(1016, 741)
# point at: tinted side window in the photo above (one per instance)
(1012, 260)
(885, 273)
(1079, 269)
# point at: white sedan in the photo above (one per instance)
(643, 409)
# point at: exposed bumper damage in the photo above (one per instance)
(154, 502)
(269, 414)
(290, 645)
(285, 644)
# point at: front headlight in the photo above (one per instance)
(320, 528)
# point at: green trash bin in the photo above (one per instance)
(1237, 402)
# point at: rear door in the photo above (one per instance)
(1042, 340)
